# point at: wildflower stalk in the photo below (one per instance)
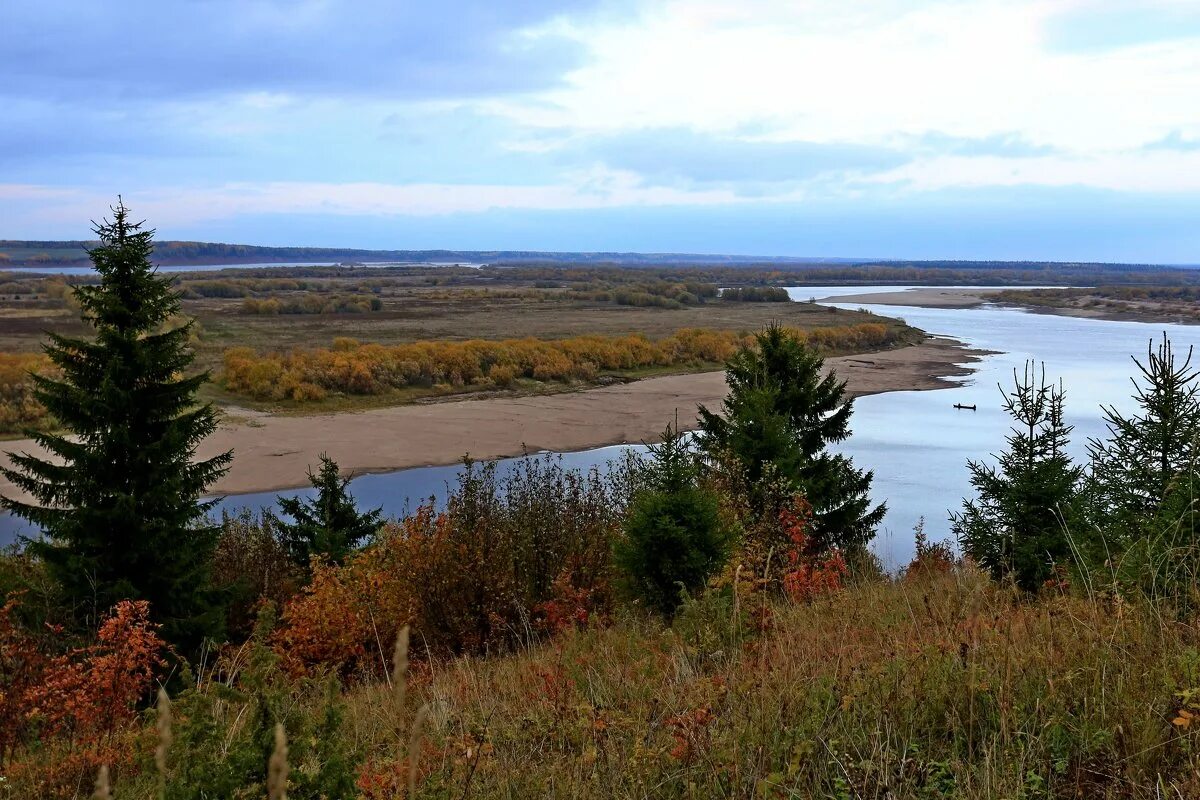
(277, 766)
(103, 790)
(163, 727)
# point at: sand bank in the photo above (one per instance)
(923, 297)
(273, 452)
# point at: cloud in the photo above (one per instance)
(1096, 27)
(1175, 141)
(681, 155)
(829, 71)
(162, 49)
(214, 115)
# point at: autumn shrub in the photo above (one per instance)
(509, 557)
(19, 409)
(929, 558)
(251, 566)
(22, 666)
(809, 572)
(756, 294)
(81, 711)
(374, 369)
(222, 732)
(312, 304)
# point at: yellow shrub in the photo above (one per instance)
(372, 369)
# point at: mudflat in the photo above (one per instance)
(274, 451)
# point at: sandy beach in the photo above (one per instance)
(924, 297)
(274, 451)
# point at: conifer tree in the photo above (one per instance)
(782, 409)
(118, 499)
(1018, 524)
(1134, 471)
(330, 524)
(675, 539)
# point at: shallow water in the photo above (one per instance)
(917, 443)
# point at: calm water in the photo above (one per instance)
(916, 442)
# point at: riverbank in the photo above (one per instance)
(273, 452)
(1082, 305)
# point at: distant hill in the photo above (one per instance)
(17, 253)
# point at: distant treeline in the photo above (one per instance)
(57, 253)
(756, 294)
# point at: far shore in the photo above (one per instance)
(971, 297)
(273, 452)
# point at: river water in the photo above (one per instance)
(916, 443)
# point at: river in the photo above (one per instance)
(916, 443)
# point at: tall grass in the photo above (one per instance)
(943, 686)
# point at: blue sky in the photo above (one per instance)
(1023, 129)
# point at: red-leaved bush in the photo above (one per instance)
(809, 574)
(81, 707)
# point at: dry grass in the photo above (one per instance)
(944, 687)
(941, 686)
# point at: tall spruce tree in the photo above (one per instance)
(782, 409)
(329, 525)
(118, 499)
(1018, 524)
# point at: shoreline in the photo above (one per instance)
(968, 297)
(274, 452)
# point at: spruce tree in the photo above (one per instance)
(329, 525)
(1134, 471)
(783, 409)
(675, 539)
(1018, 524)
(118, 500)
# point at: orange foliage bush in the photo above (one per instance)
(22, 665)
(501, 562)
(82, 706)
(371, 369)
(18, 408)
(809, 574)
(930, 559)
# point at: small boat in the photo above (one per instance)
(962, 407)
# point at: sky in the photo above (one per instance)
(975, 129)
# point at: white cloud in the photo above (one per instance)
(830, 71)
